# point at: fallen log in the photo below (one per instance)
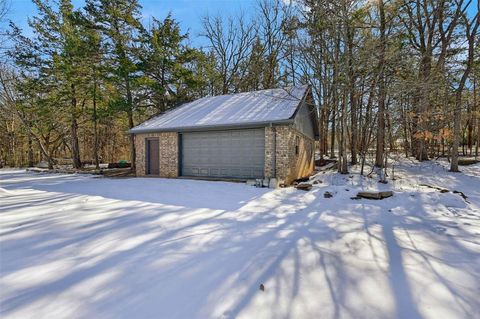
(442, 190)
(467, 161)
(304, 186)
(375, 195)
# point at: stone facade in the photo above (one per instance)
(269, 152)
(168, 145)
(294, 153)
(293, 157)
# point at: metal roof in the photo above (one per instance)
(257, 108)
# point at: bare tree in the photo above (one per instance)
(430, 26)
(272, 24)
(4, 8)
(231, 40)
(379, 158)
(43, 129)
(471, 34)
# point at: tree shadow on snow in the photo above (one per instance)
(180, 263)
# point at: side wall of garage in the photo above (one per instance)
(168, 157)
(294, 153)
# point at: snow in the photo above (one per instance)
(263, 106)
(76, 246)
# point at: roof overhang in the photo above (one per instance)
(202, 128)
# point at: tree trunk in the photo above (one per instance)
(342, 164)
(381, 91)
(332, 137)
(352, 98)
(132, 141)
(130, 124)
(477, 145)
(75, 145)
(325, 136)
(335, 97)
(457, 117)
(30, 151)
(406, 145)
(11, 145)
(470, 123)
(420, 145)
(321, 129)
(76, 162)
(95, 120)
(46, 151)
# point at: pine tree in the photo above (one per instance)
(53, 63)
(119, 22)
(166, 63)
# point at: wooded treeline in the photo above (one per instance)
(387, 76)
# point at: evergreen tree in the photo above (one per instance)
(119, 22)
(53, 62)
(166, 62)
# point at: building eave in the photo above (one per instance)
(217, 127)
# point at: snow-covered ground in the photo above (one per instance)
(84, 247)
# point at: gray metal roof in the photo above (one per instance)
(256, 108)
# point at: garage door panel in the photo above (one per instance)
(232, 153)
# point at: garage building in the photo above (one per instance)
(254, 135)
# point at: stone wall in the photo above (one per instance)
(168, 145)
(289, 165)
(269, 149)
